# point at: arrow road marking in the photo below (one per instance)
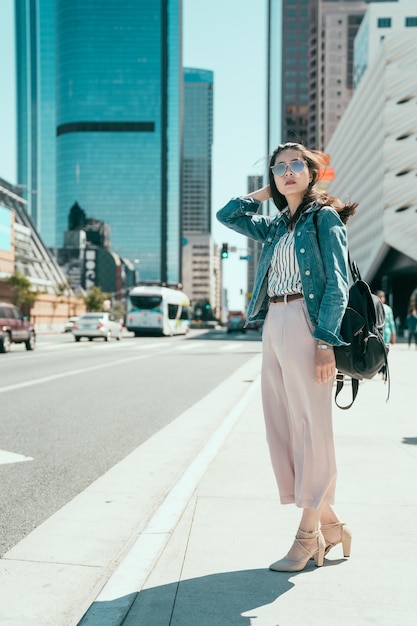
(11, 457)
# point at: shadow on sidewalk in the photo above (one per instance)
(231, 598)
(412, 441)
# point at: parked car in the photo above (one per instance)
(236, 323)
(92, 325)
(69, 324)
(14, 328)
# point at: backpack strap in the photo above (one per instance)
(340, 381)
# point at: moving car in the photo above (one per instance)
(92, 325)
(69, 324)
(236, 323)
(14, 328)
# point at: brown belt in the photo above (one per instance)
(287, 298)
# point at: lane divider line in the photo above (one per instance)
(82, 370)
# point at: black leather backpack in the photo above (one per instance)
(362, 327)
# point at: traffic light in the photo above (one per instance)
(225, 251)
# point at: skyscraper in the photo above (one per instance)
(197, 150)
(201, 265)
(36, 127)
(294, 92)
(287, 71)
(333, 27)
(116, 72)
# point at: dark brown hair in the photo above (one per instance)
(315, 162)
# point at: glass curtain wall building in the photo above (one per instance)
(104, 81)
(292, 60)
(36, 144)
(288, 28)
(198, 141)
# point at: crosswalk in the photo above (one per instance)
(216, 343)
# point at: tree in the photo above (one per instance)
(23, 296)
(94, 300)
(119, 310)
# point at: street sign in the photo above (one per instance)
(248, 257)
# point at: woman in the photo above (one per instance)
(301, 290)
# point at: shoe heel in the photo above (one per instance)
(346, 541)
(319, 555)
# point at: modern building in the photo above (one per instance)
(381, 21)
(201, 277)
(88, 260)
(333, 27)
(197, 151)
(21, 248)
(112, 77)
(202, 273)
(254, 247)
(374, 154)
(36, 112)
(304, 63)
(287, 71)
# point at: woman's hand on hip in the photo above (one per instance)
(325, 363)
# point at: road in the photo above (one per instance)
(71, 411)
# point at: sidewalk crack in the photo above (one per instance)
(183, 562)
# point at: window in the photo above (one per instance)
(384, 22)
(411, 21)
(145, 302)
(172, 311)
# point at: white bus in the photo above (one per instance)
(157, 310)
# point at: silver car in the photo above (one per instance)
(91, 325)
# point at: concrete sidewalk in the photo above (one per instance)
(213, 568)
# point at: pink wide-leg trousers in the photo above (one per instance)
(297, 409)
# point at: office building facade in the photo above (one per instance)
(333, 27)
(36, 125)
(254, 247)
(197, 151)
(287, 71)
(117, 82)
(304, 62)
(201, 267)
(374, 153)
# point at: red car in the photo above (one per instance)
(14, 328)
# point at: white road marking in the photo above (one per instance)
(11, 457)
(82, 370)
(148, 346)
(191, 346)
(230, 347)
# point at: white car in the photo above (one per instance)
(69, 324)
(92, 325)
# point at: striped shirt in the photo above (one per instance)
(284, 274)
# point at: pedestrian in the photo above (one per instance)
(411, 322)
(389, 329)
(301, 290)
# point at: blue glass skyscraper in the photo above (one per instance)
(36, 143)
(197, 151)
(117, 81)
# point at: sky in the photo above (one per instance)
(229, 38)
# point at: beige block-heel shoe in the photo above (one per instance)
(306, 545)
(335, 533)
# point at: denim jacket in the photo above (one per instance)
(321, 254)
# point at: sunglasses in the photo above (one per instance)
(297, 166)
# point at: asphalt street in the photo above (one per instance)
(75, 410)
